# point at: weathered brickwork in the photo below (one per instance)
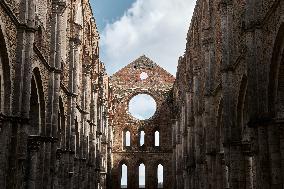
(228, 95)
(55, 97)
(126, 84)
(63, 121)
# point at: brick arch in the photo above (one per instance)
(159, 161)
(123, 161)
(119, 166)
(276, 75)
(140, 161)
(127, 129)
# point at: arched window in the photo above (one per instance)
(157, 138)
(142, 138)
(141, 175)
(160, 176)
(123, 180)
(34, 108)
(37, 105)
(126, 138)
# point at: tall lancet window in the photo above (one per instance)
(157, 138)
(123, 180)
(160, 176)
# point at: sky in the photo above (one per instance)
(145, 110)
(131, 28)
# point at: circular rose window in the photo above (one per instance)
(142, 106)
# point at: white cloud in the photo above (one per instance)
(156, 28)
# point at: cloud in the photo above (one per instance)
(151, 27)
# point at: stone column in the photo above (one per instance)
(58, 31)
(209, 114)
(232, 134)
(33, 148)
(254, 7)
(74, 63)
(248, 165)
(275, 156)
(58, 170)
(219, 171)
(21, 98)
(174, 152)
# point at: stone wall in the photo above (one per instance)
(229, 125)
(55, 96)
(127, 84)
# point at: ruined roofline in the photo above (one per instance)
(148, 62)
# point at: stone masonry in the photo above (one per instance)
(63, 121)
(54, 95)
(126, 84)
(229, 97)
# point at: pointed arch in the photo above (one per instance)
(157, 138)
(126, 139)
(276, 77)
(123, 178)
(5, 80)
(37, 104)
(241, 111)
(142, 175)
(160, 176)
(141, 137)
(61, 124)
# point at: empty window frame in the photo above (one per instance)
(142, 176)
(123, 179)
(126, 138)
(160, 176)
(157, 138)
(141, 138)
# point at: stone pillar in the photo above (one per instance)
(282, 147)
(174, 151)
(58, 170)
(209, 114)
(232, 131)
(219, 171)
(275, 156)
(33, 148)
(253, 40)
(248, 165)
(199, 130)
(58, 31)
(74, 59)
(21, 98)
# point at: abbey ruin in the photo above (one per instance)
(218, 124)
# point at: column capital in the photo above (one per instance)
(58, 6)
